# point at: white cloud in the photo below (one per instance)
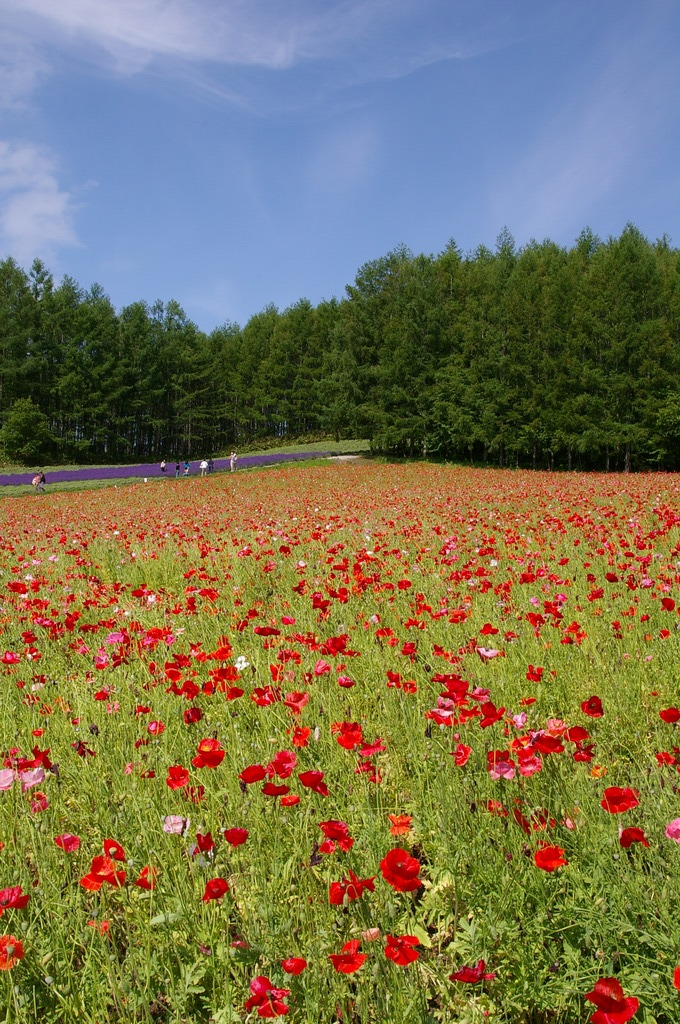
(36, 214)
(397, 35)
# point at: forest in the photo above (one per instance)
(537, 356)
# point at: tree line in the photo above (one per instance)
(540, 356)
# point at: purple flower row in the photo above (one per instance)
(153, 469)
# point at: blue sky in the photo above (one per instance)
(232, 153)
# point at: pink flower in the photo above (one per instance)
(673, 830)
(174, 824)
(31, 778)
(487, 653)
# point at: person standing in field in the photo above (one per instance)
(163, 466)
(204, 467)
(36, 483)
(187, 466)
(232, 461)
(211, 465)
(177, 471)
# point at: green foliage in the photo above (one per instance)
(536, 356)
(25, 435)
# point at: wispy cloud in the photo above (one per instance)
(343, 159)
(214, 300)
(397, 35)
(22, 66)
(36, 214)
(593, 146)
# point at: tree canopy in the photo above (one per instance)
(541, 356)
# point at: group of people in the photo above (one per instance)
(38, 482)
(207, 466)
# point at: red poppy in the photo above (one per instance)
(267, 1000)
(294, 965)
(337, 834)
(545, 744)
(496, 808)
(13, 899)
(113, 849)
(670, 715)
(612, 1006)
(371, 749)
(400, 870)
(236, 836)
(11, 952)
(471, 975)
(314, 780)
(347, 734)
(103, 870)
(271, 789)
(215, 889)
(676, 978)
(253, 773)
(147, 878)
(461, 754)
(349, 959)
(210, 754)
(592, 707)
(178, 776)
(617, 800)
(289, 800)
(265, 696)
(549, 858)
(39, 803)
(399, 949)
(490, 714)
(204, 843)
(296, 701)
(282, 764)
(67, 842)
(348, 889)
(628, 836)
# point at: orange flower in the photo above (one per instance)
(101, 926)
(401, 824)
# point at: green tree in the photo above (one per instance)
(25, 435)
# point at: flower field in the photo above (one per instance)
(342, 743)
